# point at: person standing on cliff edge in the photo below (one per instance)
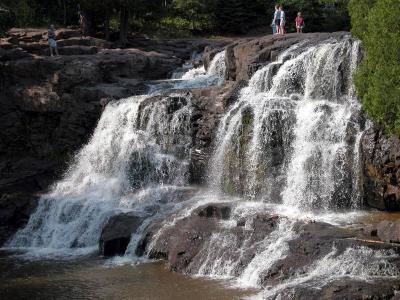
(277, 20)
(282, 21)
(299, 23)
(51, 37)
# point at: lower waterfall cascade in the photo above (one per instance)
(288, 146)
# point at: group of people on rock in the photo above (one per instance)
(279, 21)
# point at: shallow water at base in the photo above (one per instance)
(93, 278)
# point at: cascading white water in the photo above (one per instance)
(201, 77)
(137, 156)
(195, 77)
(360, 263)
(134, 146)
(293, 133)
(292, 138)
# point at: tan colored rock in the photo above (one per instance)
(389, 231)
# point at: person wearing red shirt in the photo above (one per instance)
(299, 23)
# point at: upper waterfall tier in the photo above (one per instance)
(294, 134)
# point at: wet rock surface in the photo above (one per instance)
(116, 234)
(381, 167)
(183, 243)
(389, 231)
(348, 288)
(15, 210)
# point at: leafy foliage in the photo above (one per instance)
(192, 16)
(377, 79)
(320, 15)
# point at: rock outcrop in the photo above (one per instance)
(381, 168)
(15, 210)
(49, 106)
(190, 245)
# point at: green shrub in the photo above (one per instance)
(377, 79)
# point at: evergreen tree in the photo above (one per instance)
(377, 79)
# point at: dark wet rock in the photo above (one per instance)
(381, 168)
(15, 210)
(182, 243)
(189, 241)
(208, 105)
(218, 211)
(116, 234)
(389, 231)
(346, 288)
(370, 231)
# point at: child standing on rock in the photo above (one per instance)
(51, 36)
(299, 23)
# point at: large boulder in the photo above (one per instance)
(116, 234)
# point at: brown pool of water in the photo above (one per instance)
(89, 278)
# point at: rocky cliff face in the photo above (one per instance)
(51, 105)
(381, 168)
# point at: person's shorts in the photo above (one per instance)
(278, 22)
(282, 23)
(52, 43)
(300, 27)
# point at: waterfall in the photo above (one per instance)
(287, 149)
(135, 145)
(292, 136)
(138, 155)
(188, 77)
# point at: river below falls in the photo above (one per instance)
(94, 278)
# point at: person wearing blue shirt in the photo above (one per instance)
(277, 20)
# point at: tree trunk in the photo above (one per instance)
(107, 27)
(124, 20)
(65, 12)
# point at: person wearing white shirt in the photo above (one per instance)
(283, 19)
